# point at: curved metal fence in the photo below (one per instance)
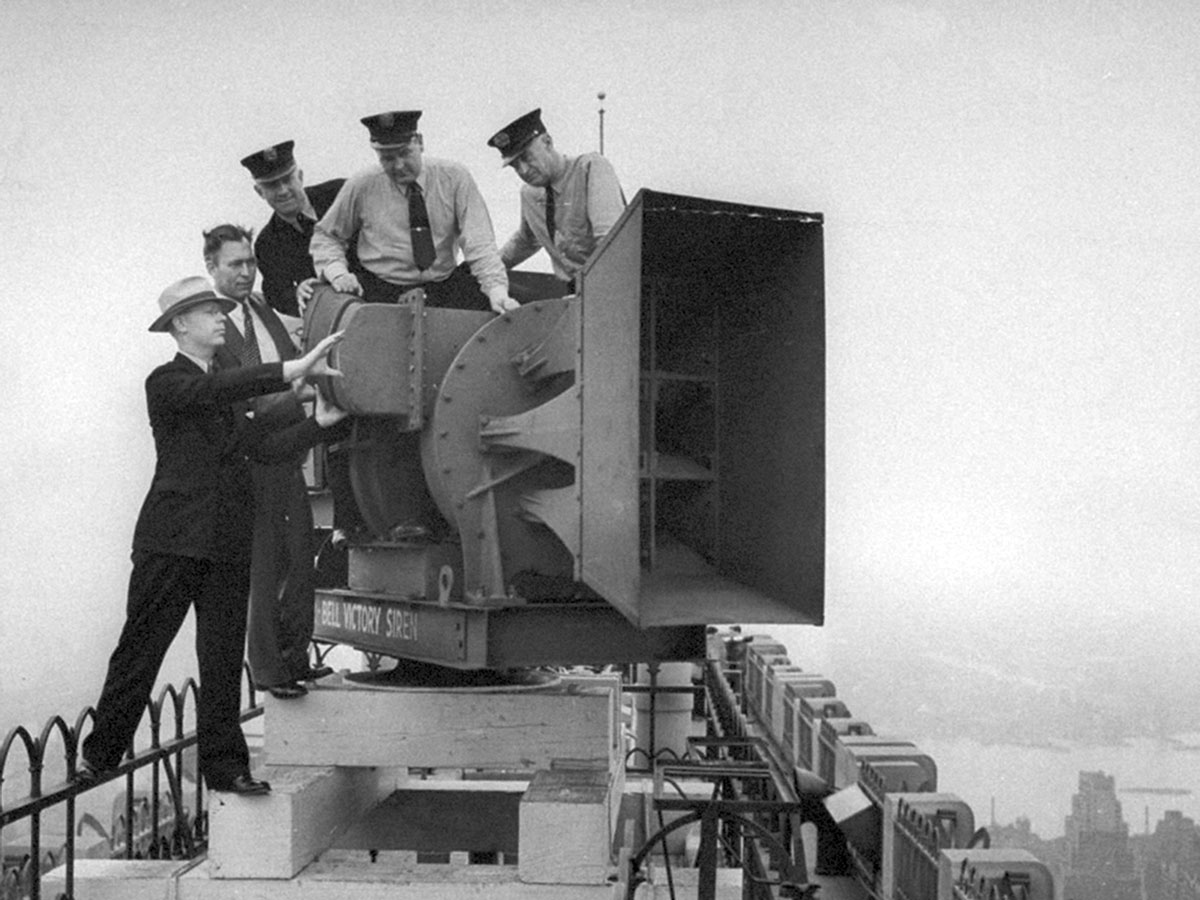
(156, 816)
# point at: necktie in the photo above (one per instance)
(550, 212)
(248, 355)
(418, 224)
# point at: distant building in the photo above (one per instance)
(1099, 860)
(1173, 859)
(1020, 836)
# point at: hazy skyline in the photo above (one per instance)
(1010, 201)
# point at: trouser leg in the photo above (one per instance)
(268, 567)
(346, 515)
(220, 639)
(161, 588)
(299, 582)
(460, 291)
(282, 577)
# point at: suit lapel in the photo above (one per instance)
(279, 335)
(226, 357)
(233, 342)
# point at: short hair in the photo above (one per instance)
(227, 233)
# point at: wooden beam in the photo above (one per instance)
(566, 826)
(341, 723)
(276, 835)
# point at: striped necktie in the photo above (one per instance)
(249, 354)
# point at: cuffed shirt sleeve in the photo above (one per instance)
(332, 234)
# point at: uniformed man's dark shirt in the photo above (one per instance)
(282, 250)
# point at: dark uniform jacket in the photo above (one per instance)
(282, 251)
(200, 501)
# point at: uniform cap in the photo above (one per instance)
(182, 296)
(272, 162)
(392, 129)
(516, 135)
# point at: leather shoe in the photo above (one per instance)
(87, 775)
(408, 531)
(286, 691)
(315, 672)
(244, 784)
(345, 538)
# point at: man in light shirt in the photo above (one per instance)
(411, 214)
(568, 203)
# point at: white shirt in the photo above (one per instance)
(267, 351)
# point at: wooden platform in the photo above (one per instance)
(341, 723)
(549, 805)
(351, 875)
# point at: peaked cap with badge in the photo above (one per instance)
(271, 162)
(392, 129)
(517, 135)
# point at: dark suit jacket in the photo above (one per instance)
(276, 409)
(199, 503)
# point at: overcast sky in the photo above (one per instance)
(1011, 207)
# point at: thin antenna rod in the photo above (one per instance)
(600, 96)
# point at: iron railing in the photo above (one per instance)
(1009, 886)
(919, 839)
(154, 824)
(752, 817)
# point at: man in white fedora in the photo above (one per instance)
(191, 545)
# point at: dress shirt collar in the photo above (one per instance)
(561, 181)
(219, 293)
(237, 314)
(422, 181)
(308, 211)
(203, 364)
(267, 349)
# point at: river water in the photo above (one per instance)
(1039, 782)
(937, 705)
